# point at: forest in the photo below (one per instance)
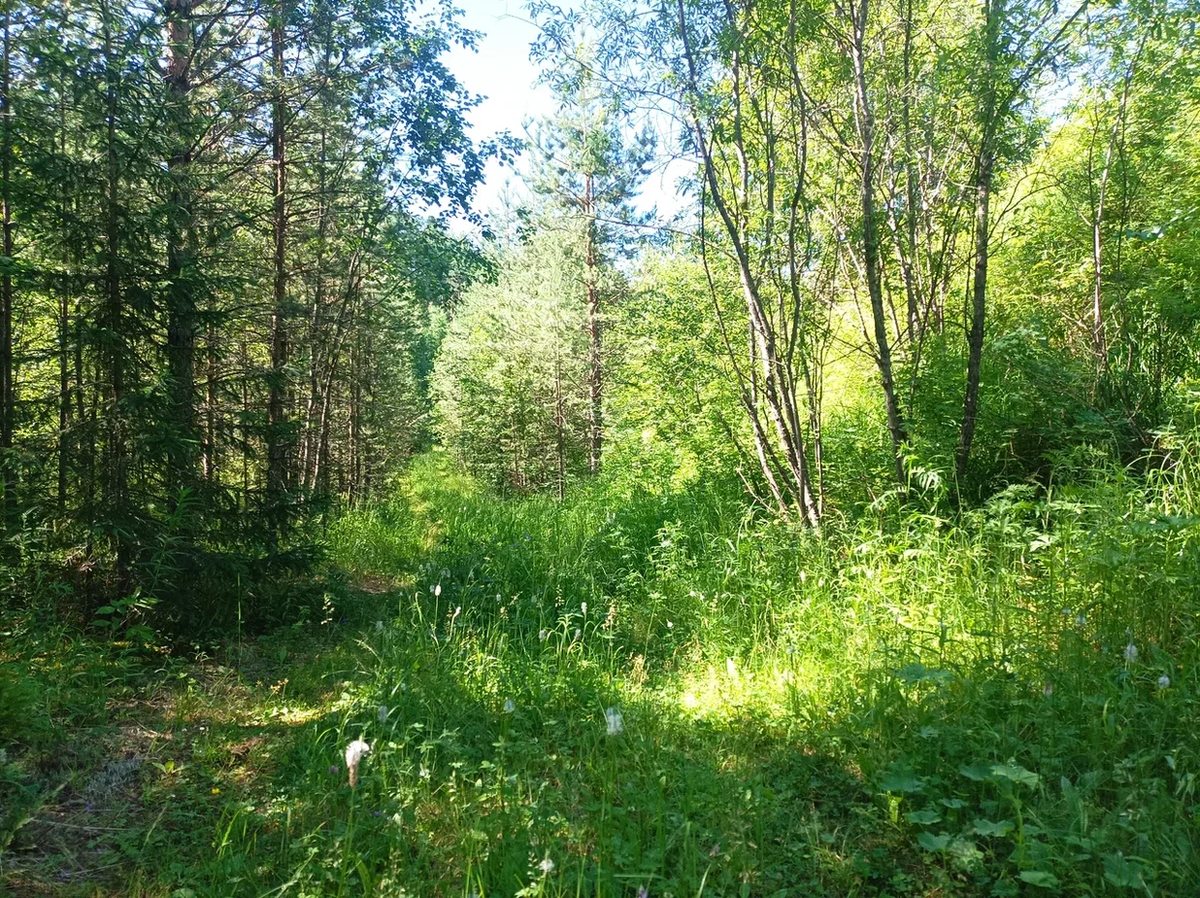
(831, 529)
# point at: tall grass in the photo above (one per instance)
(997, 702)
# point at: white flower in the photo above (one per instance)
(383, 713)
(1164, 682)
(355, 752)
(457, 612)
(1131, 653)
(583, 608)
(378, 626)
(616, 723)
(543, 635)
(731, 669)
(546, 866)
(670, 625)
(437, 590)
(509, 706)
(578, 632)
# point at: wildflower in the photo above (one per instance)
(1048, 690)
(509, 706)
(355, 752)
(437, 590)
(547, 865)
(616, 723)
(578, 632)
(378, 626)
(457, 612)
(1131, 653)
(543, 635)
(583, 608)
(1164, 682)
(383, 713)
(670, 625)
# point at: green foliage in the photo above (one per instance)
(511, 377)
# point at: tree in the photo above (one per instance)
(584, 165)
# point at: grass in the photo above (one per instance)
(920, 705)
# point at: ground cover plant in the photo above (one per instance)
(593, 698)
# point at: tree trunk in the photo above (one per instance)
(8, 411)
(595, 358)
(114, 324)
(277, 443)
(983, 190)
(871, 261)
(180, 300)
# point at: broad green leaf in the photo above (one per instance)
(1040, 878)
(988, 828)
(930, 842)
(1016, 773)
(923, 817)
(901, 782)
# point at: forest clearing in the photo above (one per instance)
(767, 465)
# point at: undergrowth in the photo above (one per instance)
(661, 691)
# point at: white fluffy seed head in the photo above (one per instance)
(1164, 682)
(615, 722)
(355, 752)
(1131, 653)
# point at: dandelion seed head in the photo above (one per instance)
(615, 722)
(437, 590)
(378, 626)
(547, 865)
(383, 713)
(1164, 682)
(509, 706)
(1131, 653)
(355, 752)
(543, 635)
(670, 625)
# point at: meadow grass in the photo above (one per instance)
(661, 691)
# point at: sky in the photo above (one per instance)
(501, 71)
